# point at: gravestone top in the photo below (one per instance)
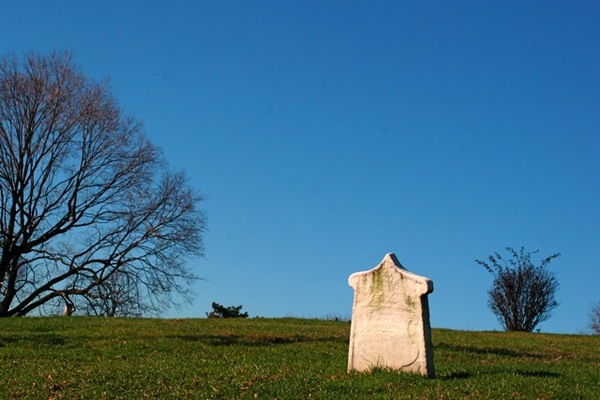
(390, 320)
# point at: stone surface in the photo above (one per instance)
(390, 320)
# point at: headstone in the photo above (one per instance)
(69, 306)
(68, 311)
(390, 320)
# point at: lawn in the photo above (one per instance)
(101, 358)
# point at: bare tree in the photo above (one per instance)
(595, 319)
(522, 294)
(84, 196)
(118, 296)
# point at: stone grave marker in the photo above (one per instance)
(390, 320)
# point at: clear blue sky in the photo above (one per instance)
(325, 134)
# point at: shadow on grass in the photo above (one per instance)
(539, 374)
(456, 375)
(498, 351)
(493, 370)
(257, 340)
(42, 339)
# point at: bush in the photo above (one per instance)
(220, 311)
(595, 319)
(522, 294)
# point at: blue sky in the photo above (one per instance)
(325, 134)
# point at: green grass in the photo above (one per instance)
(95, 358)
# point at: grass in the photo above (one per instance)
(95, 358)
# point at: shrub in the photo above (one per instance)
(595, 319)
(220, 311)
(522, 294)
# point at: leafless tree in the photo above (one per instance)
(522, 294)
(85, 198)
(118, 297)
(595, 319)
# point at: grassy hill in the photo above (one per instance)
(95, 358)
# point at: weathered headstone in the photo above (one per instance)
(390, 320)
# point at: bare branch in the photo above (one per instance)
(86, 201)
